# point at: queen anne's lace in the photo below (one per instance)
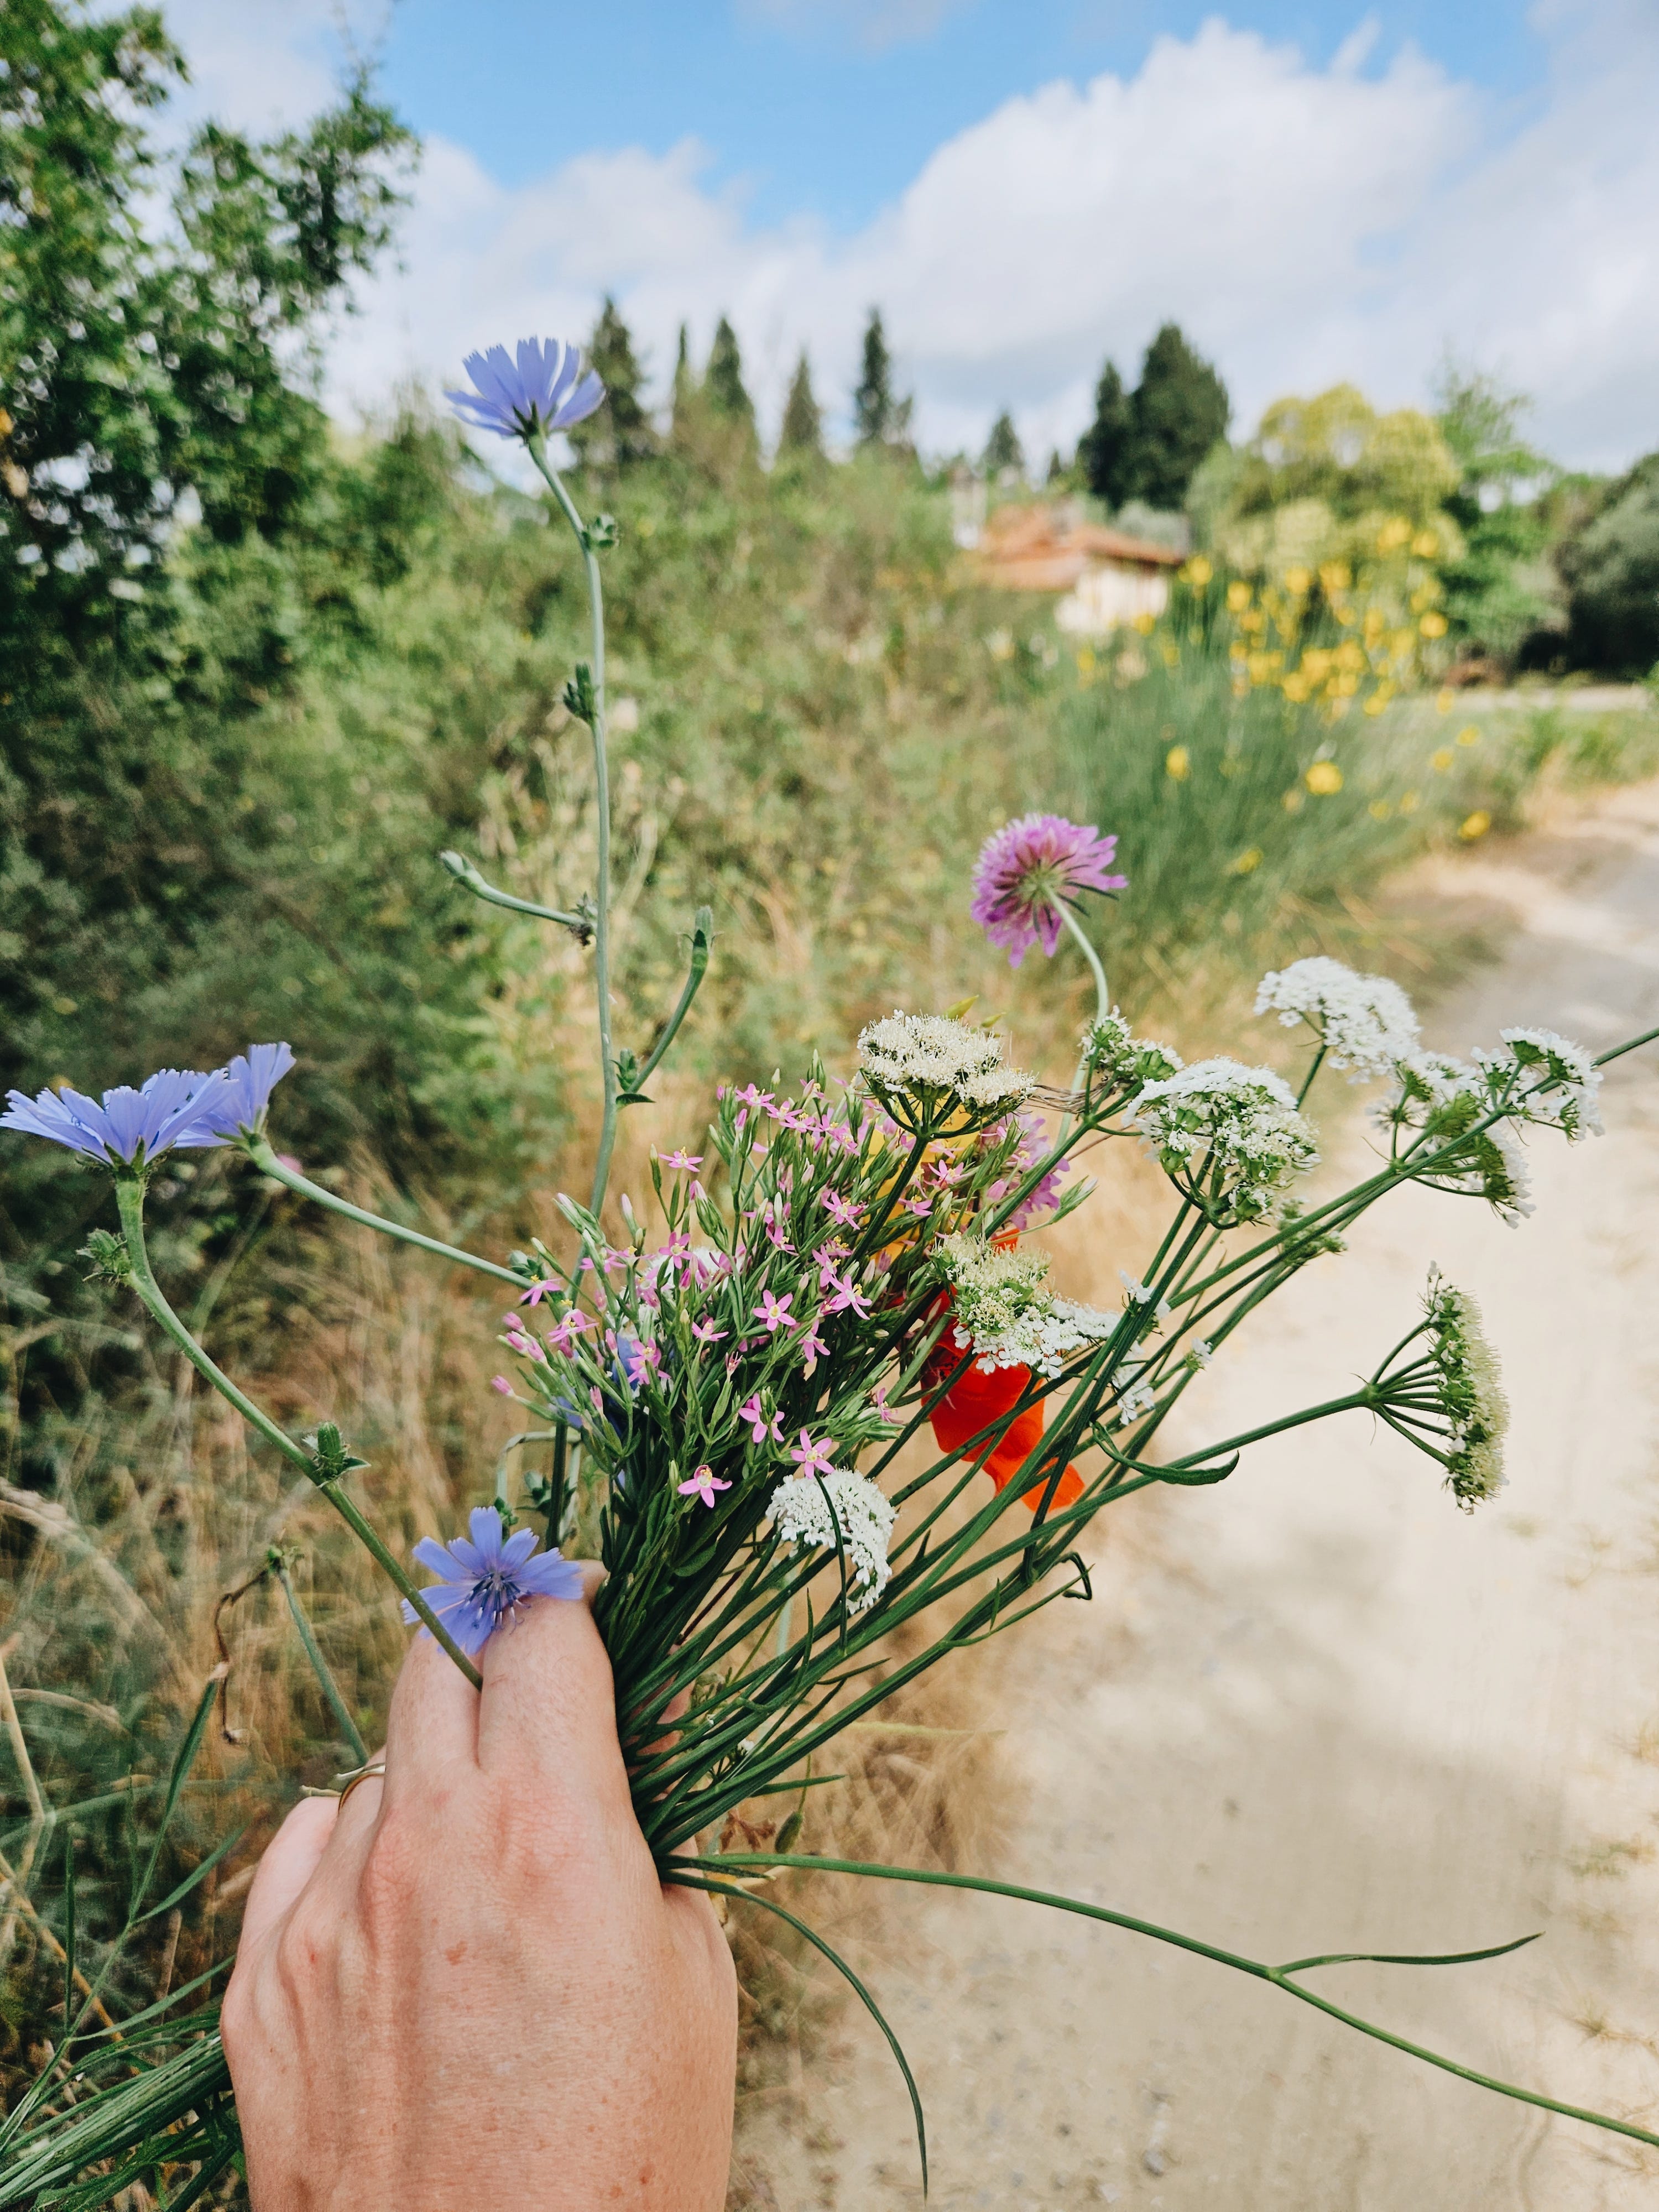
(1443, 1099)
(1553, 1081)
(1471, 1392)
(1364, 1022)
(1117, 1060)
(1004, 1313)
(1229, 1135)
(931, 1058)
(808, 1511)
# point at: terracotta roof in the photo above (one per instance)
(1038, 549)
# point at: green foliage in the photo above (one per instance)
(879, 416)
(722, 383)
(619, 433)
(802, 434)
(1612, 571)
(1147, 445)
(1002, 448)
(1497, 590)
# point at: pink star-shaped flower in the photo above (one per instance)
(814, 1347)
(684, 1163)
(763, 1428)
(812, 1458)
(703, 1484)
(773, 1312)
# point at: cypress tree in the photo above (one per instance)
(1002, 448)
(1104, 449)
(1179, 412)
(879, 417)
(723, 379)
(620, 432)
(802, 418)
(685, 388)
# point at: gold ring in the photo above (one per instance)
(364, 1774)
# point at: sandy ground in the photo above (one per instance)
(1316, 1708)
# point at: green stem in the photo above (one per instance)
(1103, 1000)
(129, 1200)
(702, 939)
(259, 1152)
(321, 1667)
(537, 447)
(1308, 1080)
(736, 1861)
(463, 872)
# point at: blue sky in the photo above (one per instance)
(1318, 192)
(829, 110)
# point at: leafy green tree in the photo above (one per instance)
(686, 388)
(1179, 412)
(1003, 449)
(1103, 450)
(802, 432)
(1497, 589)
(723, 383)
(619, 433)
(879, 416)
(1612, 571)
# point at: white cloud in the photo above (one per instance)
(1303, 223)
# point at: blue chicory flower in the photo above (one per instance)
(129, 1128)
(542, 393)
(485, 1582)
(249, 1081)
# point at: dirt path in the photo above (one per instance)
(1317, 1709)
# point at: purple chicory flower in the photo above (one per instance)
(129, 1127)
(249, 1081)
(486, 1581)
(1025, 871)
(542, 391)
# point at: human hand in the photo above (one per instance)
(466, 1985)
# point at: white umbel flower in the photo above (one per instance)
(1004, 1313)
(1229, 1135)
(1365, 1023)
(808, 1511)
(1553, 1081)
(1471, 1394)
(930, 1063)
(1444, 1099)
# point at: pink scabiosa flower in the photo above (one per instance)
(486, 1581)
(1027, 868)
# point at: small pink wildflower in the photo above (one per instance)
(773, 1312)
(847, 1296)
(500, 1383)
(840, 1209)
(543, 1287)
(683, 1163)
(812, 1458)
(814, 1347)
(706, 1333)
(703, 1484)
(763, 1427)
(884, 1411)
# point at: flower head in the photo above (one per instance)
(703, 1484)
(1471, 1394)
(839, 1510)
(249, 1081)
(129, 1127)
(1551, 1080)
(1364, 1022)
(542, 391)
(1027, 868)
(924, 1066)
(1005, 1312)
(1229, 1135)
(486, 1581)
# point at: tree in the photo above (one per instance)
(802, 418)
(879, 417)
(722, 380)
(1612, 571)
(1003, 451)
(686, 387)
(1179, 412)
(620, 433)
(1495, 589)
(1102, 449)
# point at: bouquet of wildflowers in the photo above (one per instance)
(826, 1388)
